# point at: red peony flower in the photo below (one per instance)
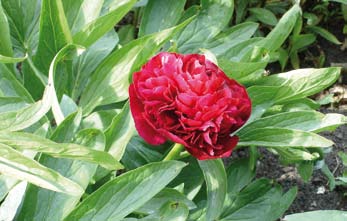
(189, 100)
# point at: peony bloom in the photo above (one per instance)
(188, 100)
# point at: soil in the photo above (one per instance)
(314, 195)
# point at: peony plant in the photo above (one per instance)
(98, 124)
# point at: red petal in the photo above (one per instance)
(145, 130)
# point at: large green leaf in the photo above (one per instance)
(5, 37)
(213, 17)
(85, 64)
(110, 81)
(301, 83)
(81, 12)
(14, 164)
(319, 215)
(47, 205)
(159, 15)
(23, 16)
(281, 137)
(54, 33)
(284, 27)
(126, 193)
(270, 203)
(119, 133)
(226, 40)
(91, 32)
(6, 59)
(27, 141)
(139, 153)
(216, 183)
(299, 120)
(6, 184)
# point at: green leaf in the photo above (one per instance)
(5, 37)
(14, 164)
(237, 52)
(139, 153)
(119, 132)
(11, 87)
(100, 120)
(159, 15)
(216, 183)
(295, 84)
(84, 65)
(164, 196)
(311, 121)
(324, 33)
(5, 59)
(281, 137)
(293, 155)
(319, 215)
(171, 211)
(233, 36)
(302, 41)
(264, 15)
(110, 82)
(305, 170)
(54, 33)
(126, 34)
(6, 184)
(126, 193)
(270, 202)
(91, 32)
(191, 177)
(23, 16)
(81, 12)
(239, 175)
(26, 141)
(47, 205)
(284, 27)
(213, 17)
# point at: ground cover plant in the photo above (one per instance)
(124, 109)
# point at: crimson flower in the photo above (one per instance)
(187, 99)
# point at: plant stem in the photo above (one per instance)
(174, 152)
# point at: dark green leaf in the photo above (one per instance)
(325, 34)
(264, 15)
(126, 193)
(159, 15)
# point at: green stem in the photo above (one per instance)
(174, 152)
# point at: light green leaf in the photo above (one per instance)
(281, 137)
(26, 141)
(126, 193)
(159, 15)
(324, 33)
(14, 164)
(23, 16)
(91, 32)
(110, 81)
(270, 202)
(226, 40)
(119, 132)
(100, 120)
(302, 41)
(5, 59)
(284, 27)
(5, 37)
(54, 33)
(213, 17)
(81, 12)
(319, 215)
(216, 183)
(264, 15)
(237, 52)
(47, 205)
(84, 65)
(311, 121)
(295, 155)
(6, 184)
(293, 85)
